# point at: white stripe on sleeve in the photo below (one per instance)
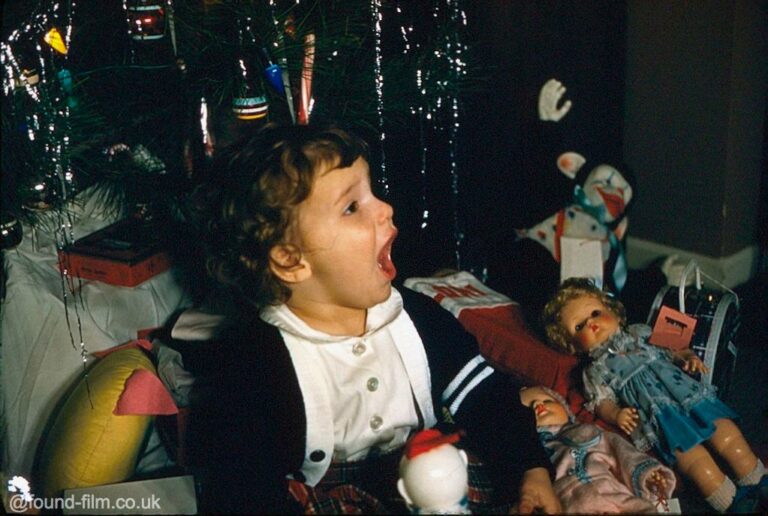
(473, 372)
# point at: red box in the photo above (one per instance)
(125, 253)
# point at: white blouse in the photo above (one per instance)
(368, 383)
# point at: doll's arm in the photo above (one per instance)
(689, 361)
(536, 492)
(659, 485)
(645, 475)
(625, 418)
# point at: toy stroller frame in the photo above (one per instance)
(717, 315)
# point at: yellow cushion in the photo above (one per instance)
(88, 445)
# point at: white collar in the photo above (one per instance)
(377, 317)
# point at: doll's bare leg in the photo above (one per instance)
(698, 465)
(730, 444)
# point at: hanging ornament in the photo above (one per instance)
(40, 196)
(250, 108)
(65, 78)
(209, 141)
(139, 158)
(55, 41)
(146, 19)
(147, 162)
(289, 26)
(249, 102)
(27, 77)
(306, 100)
(273, 73)
(10, 231)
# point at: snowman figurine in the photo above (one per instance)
(433, 474)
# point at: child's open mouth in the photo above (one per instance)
(385, 259)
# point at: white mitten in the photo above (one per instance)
(549, 96)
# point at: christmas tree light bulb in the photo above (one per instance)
(56, 42)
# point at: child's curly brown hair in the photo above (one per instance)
(570, 289)
(248, 206)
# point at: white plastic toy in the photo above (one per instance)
(433, 474)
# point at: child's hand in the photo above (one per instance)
(627, 419)
(690, 362)
(536, 493)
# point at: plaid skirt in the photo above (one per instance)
(370, 487)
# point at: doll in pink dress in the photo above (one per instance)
(596, 471)
(647, 391)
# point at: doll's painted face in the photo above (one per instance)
(548, 410)
(588, 322)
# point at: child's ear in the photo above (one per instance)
(286, 262)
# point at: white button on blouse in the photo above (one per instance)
(372, 383)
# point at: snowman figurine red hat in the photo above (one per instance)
(433, 474)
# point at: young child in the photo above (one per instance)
(311, 388)
(643, 389)
(596, 471)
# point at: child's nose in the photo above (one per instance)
(385, 211)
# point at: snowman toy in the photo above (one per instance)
(433, 474)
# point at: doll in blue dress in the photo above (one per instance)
(648, 392)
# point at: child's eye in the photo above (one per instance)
(596, 313)
(580, 327)
(352, 208)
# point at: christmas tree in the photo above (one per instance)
(135, 98)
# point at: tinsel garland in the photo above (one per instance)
(130, 93)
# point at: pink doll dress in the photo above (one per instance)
(599, 471)
(676, 411)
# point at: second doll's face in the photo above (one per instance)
(588, 322)
(548, 410)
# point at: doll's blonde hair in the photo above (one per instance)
(570, 289)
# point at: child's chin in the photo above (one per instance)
(383, 294)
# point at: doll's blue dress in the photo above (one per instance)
(675, 411)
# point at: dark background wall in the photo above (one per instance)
(697, 77)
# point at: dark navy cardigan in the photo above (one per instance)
(248, 426)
